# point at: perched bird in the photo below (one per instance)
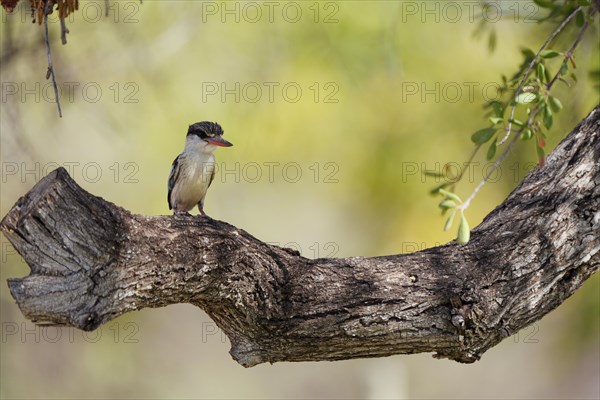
(194, 169)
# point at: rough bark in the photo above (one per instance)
(92, 261)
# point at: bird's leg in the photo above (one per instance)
(201, 209)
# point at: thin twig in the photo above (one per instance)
(63, 31)
(467, 164)
(569, 53)
(498, 161)
(530, 67)
(50, 73)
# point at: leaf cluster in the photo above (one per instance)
(528, 91)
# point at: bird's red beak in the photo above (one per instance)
(219, 141)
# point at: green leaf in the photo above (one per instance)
(496, 120)
(483, 135)
(464, 233)
(548, 119)
(434, 174)
(450, 195)
(541, 72)
(549, 54)
(526, 134)
(437, 189)
(567, 84)
(574, 77)
(449, 221)
(491, 150)
(528, 53)
(555, 103)
(498, 108)
(447, 204)
(548, 75)
(492, 41)
(479, 29)
(579, 19)
(564, 69)
(516, 122)
(526, 98)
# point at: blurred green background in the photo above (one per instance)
(335, 109)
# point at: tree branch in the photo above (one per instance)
(92, 261)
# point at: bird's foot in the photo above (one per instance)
(203, 215)
(182, 214)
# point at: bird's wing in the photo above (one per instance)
(212, 176)
(172, 179)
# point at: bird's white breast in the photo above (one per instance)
(192, 183)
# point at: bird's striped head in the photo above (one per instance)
(210, 132)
